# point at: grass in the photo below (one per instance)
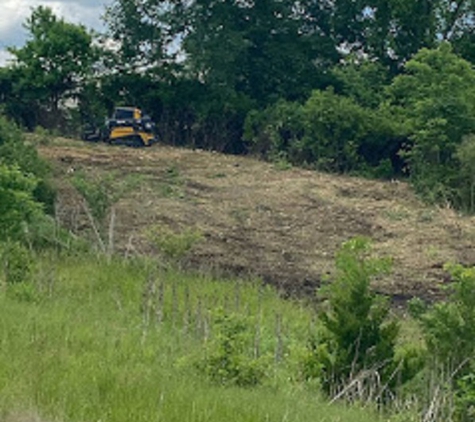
(80, 345)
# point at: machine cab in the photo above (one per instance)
(126, 114)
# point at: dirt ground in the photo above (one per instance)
(257, 220)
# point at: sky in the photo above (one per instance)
(13, 14)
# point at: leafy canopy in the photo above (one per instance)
(53, 64)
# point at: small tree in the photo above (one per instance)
(52, 65)
(359, 337)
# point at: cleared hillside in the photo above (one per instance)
(281, 225)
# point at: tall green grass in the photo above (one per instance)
(90, 340)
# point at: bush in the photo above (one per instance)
(18, 207)
(465, 397)
(435, 98)
(449, 332)
(16, 262)
(173, 245)
(451, 322)
(229, 357)
(359, 338)
(329, 132)
(14, 151)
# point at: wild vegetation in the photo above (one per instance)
(374, 88)
(90, 333)
(379, 89)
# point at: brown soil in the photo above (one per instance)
(257, 220)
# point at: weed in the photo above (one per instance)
(218, 175)
(397, 214)
(100, 193)
(172, 186)
(82, 356)
(433, 252)
(173, 245)
(425, 216)
(241, 215)
(41, 136)
(281, 161)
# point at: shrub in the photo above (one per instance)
(449, 332)
(465, 397)
(98, 192)
(173, 245)
(16, 262)
(14, 151)
(229, 356)
(451, 322)
(359, 339)
(329, 132)
(435, 98)
(17, 204)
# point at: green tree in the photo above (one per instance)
(330, 132)
(435, 98)
(364, 81)
(52, 66)
(140, 30)
(359, 338)
(266, 50)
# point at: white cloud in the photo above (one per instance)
(15, 12)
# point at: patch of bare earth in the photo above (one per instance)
(283, 226)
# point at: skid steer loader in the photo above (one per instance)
(127, 126)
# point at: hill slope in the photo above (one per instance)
(283, 226)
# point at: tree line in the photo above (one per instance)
(376, 88)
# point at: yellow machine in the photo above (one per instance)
(128, 126)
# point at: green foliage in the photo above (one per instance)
(16, 262)
(264, 50)
(449, 332)
(436, 100)
(451, 322)
(51, 67)
(173, 245)
(465, 155)
(18, 208)
(103, 191)
(98, 192)
(272, 132)
(465, 397)
(334, 128)
(329, 132)
(229, 356)
(359, 335)
(15, 151)
(363, 81)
